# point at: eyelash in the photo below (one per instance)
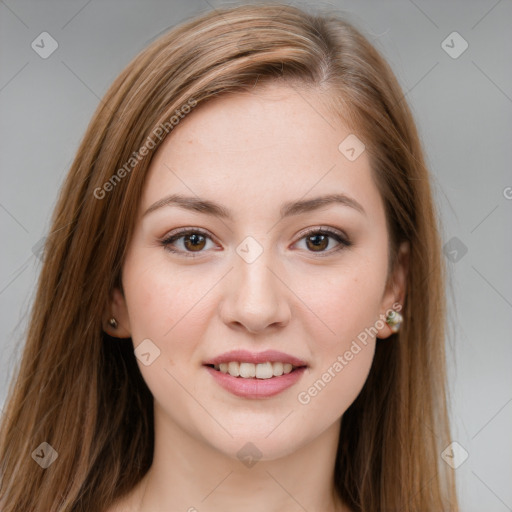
(343, 242)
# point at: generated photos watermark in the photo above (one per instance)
(159, 132)
(342, 360)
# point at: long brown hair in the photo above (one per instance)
(81, 391)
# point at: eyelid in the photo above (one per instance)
(186, 231)
(342, 239)
(328, 229)
(167, 239)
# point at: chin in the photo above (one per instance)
(255, 444)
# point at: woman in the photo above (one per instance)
(241, 301)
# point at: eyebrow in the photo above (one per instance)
(288, 209)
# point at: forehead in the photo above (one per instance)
(260, 148)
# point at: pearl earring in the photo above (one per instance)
(394, 320)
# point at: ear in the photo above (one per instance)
(395, 292)
(119, 311)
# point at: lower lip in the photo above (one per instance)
(256, 388)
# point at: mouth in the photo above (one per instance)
(246, 370)
(255, 375)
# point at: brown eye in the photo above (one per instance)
(324, 241)
(317, 242)
(194, 242)
(190, 242)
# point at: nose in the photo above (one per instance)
(255, 298)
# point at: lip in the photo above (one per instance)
(256, 388)
(244, 356)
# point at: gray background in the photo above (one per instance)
(463, 107)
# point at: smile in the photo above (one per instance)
(250, 370)
(255, 375)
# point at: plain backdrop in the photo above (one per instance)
(461, 99)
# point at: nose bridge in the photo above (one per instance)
(255, 278)
(256, 297)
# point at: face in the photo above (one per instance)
(246, 266)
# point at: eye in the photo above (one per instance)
(192, 240)
(318, 240)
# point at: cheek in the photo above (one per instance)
(342, 360)
(161, 301)
(342, 333)
(166, 307)
(345, 300)
(329, 391)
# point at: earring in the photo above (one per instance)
(113, 323)
(394, 320)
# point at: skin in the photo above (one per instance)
(251, 152)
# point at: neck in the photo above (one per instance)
(191, 475)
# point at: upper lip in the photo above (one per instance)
(244, 356)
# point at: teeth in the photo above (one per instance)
(234, 369)
(277, 369)
(250, 370)
(247, 370)
(264, 371)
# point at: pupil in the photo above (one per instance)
(195, 240)
(319, 241)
